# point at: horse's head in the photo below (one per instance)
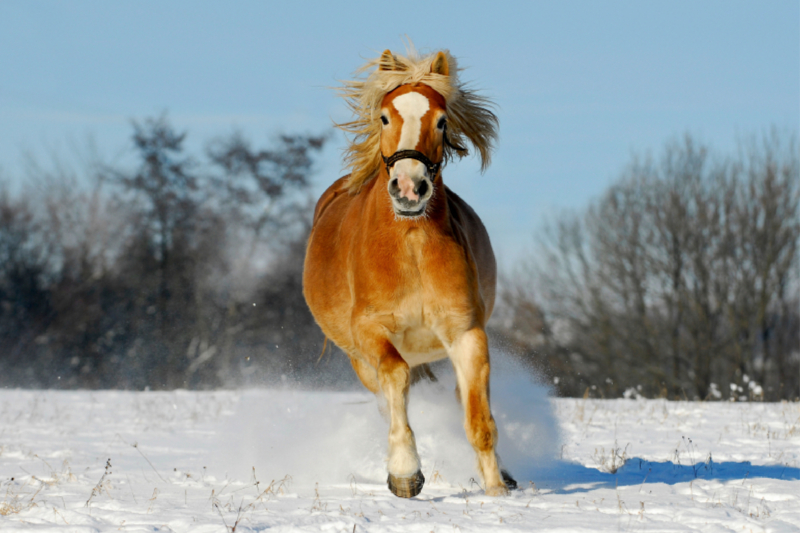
(414, 123)
(411, 114)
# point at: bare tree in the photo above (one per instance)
(147, 277)
(681, 277)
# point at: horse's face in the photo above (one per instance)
(414, 118)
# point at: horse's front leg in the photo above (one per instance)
(470, 355)
(405, 477)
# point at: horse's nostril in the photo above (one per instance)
(422, 188)
(393, 186)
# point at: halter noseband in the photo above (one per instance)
(433, 168)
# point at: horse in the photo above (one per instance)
(399, 270)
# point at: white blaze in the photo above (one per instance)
(411, 106)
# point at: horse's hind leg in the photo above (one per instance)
(470, 356)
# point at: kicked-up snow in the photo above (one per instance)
(290, 460)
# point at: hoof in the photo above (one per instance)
(510, 482)
(406, 487)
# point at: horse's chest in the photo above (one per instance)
(431, 272)
(433, 298)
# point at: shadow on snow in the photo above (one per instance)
(564, 477)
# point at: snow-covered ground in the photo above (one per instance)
(288, 460)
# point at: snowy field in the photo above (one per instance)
(284, 460)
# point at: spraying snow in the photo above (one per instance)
(334, 437)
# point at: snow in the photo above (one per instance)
(291, 460)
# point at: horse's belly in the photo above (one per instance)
(420, 345)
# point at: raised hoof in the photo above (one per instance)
(406, 487)
(510, 482)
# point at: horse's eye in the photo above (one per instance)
(442, 122)
(384, 120)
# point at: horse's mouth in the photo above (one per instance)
(410, 214)
(403, 207)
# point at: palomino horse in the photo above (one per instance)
(399, 271)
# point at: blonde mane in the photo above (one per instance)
(469, 114)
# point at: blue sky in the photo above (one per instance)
(580, 85)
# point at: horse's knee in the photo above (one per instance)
(394, 372)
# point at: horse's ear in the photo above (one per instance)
(387, 61)
(440, 65)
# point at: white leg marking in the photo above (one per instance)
(403, 457)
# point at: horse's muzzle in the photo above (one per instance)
(410, 181)
(410, 195)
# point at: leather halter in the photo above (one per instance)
(433, 168)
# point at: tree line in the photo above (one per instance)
(179, 273)
(682, 280)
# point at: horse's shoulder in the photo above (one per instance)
(461, 212)
(468, 224)
(472, 234)
(336, 189)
